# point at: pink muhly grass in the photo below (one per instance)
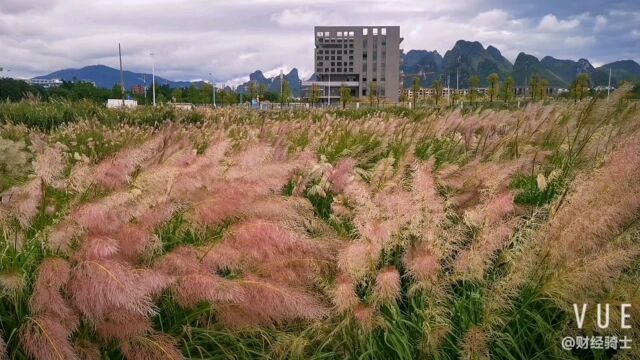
(133, 241)
(87, 350)
(221, 206)
(3, 350)
(341, 175)
(12, 282)
(23, 202)
(345, 297)
(44, 338)
(194, 288)
(377, 232)
(499, 207)
(425, 190)
(579, 227)
(122, 325)
(157, 215)
(356, 259)
(151, 347)
(254, 156)
(475, 344)
(96, 247)
(80, 177)
(98, 219)
(182, 260)
(99, 286)
(422, 263)
(116, 172)
(366, 316)
(49, 165)
(261, 240)
(62, 235)
(264, 303)
(387, 288)
(47, 299)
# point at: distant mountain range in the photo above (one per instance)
(467, 58)
(106, 77)
(470, 58)
(273, 83)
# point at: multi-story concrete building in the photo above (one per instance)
(356, 57)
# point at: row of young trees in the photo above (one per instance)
(16, 90)
(505, 90)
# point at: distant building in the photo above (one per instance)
(138, 89)
(356, 57)
(183, 106)
(117, 103)
(45, 83)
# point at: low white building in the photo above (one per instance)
(45, 83)
(117, 103)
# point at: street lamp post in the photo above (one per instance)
(153, 78)
(213, 88)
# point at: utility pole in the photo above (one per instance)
(329, 93)
(609, 87)
(448, 89)
(281, 91)
(457, 71)
(213, 88)
(121, 75)
(153, 78)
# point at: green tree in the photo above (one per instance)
(507, 88)
(345, 95)
(544, 86)
(415, 88)
(373, 92)
(535, 85)
(286, 92)
(493, 80)
(253, 90)
(314, 96)
(474, 82)
(262, 92)
(581, 86)
(437, 90)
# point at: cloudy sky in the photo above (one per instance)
(191, 38)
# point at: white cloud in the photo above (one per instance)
(491, 18)
(232, 39)
(551, 23)
(298, 18)
(601, 23)
(579, 41)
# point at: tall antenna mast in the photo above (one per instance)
(121, 74)
(609, 87)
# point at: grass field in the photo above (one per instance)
(356, 234)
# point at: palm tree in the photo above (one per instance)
(437, 90)
(581, 86)
(373, 92)
(507, 88)
(474, 81)
(493, 81)
(345, 95)
(535, 85)
(415, 87)
(314, 97)
(253, 90)
(544, 85)
(286, 92)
